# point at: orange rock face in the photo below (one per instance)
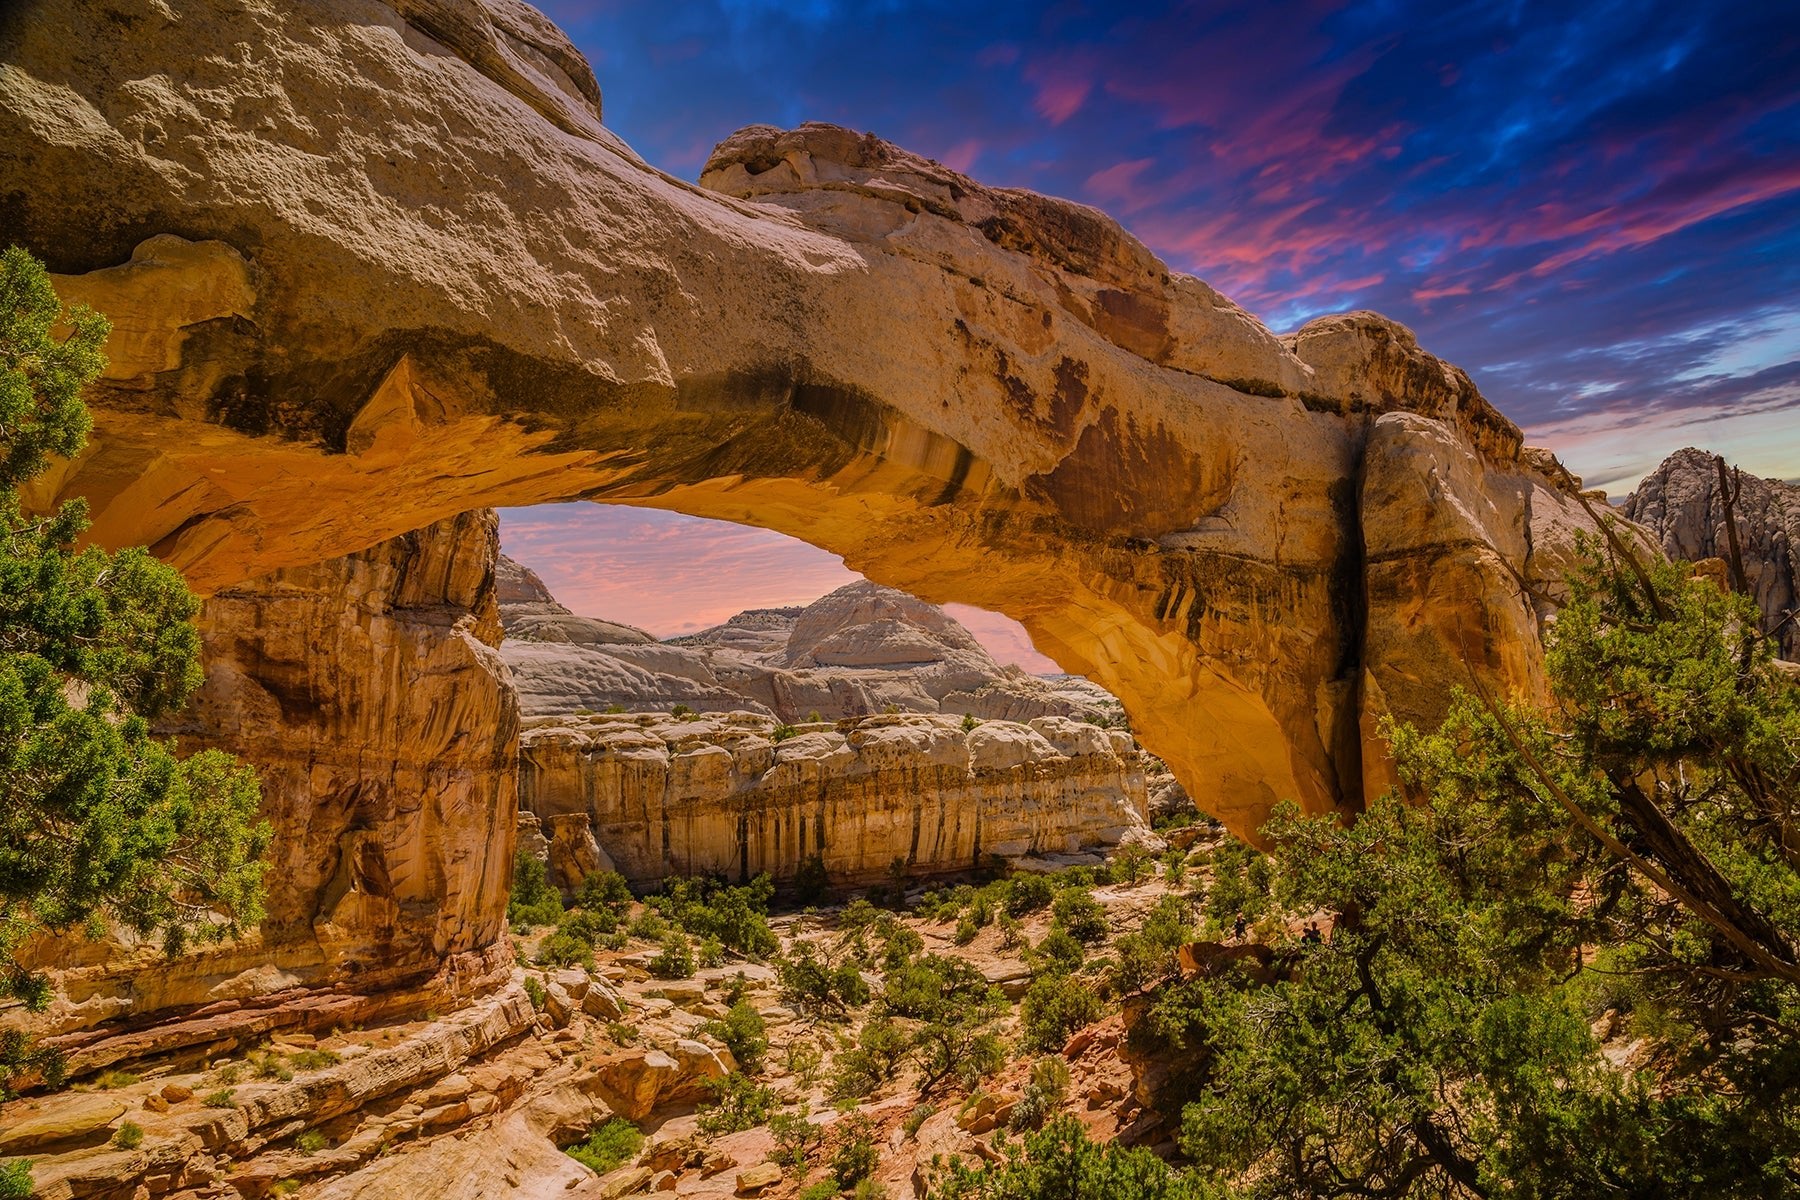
(384, 265)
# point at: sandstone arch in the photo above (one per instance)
(374, 265)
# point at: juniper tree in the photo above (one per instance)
(99, 819)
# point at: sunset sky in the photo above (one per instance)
(1598, 215)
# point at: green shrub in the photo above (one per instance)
(915, 1120)
(1080, 914)
(969, 721)
(1054, 1007)
(735, 916)
(881, 1046)
(15, 1180)
(107, 1080)
(782, 733)
(1060, 1161)
(824, 1189)
(795, 1137)
(676, 958)
(223, 1098)
(856, 1157)
(869, 1189)
(1059, 951)
(314, 1059)
(966, 931)
(816, 986)
(811, 882)
(1029, 893)
(744, 1033)
(533, 900)
(681, 710)
(609, 1146)
(738, 1103)
(128, 1136)
(310, 1141)
(534, 991)
(1043, 1094)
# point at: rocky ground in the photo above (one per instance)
(482, 1102)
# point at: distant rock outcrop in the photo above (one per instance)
(1681, 505)
(732, 794)
(862, 649)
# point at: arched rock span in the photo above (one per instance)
(373, 265)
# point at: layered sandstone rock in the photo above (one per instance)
(652, 795)
(862, 649)
(384, 264)
(368, 694)
(1680, 504)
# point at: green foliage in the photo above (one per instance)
(1044, 1092)
(1130, 864)
(782, 733)
(795, 1139)
(1635, 846)
(97, 817)
(1147, 955)
(811, 883)
(1080, 915)
(738, 1103)
(609, 1146)
(932, 984)
(1060, 1161)
(1029, 893)
(15, 1180)
(856, 1157)
(736, 916)
(676, 958)
(915, 1120)
(816, 986)
(533, 900)
(823, 1189)
(869, 1189)
(310, 1141)
(969, 722)
(223, 1098)
(128, 1136)
(564, 949)
(881, 1046)
(744, 1033)
(1058, 952)
(605, 891)
(681, 710)
(1055, 1006)
(534, 992)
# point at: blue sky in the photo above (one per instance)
(1593, 208)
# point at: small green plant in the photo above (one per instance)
(228, 1074)
(314, 1060)
(681, 710)
(869, 1189)
(223, 1098)
(1044, 1093)
(676, 958)
(1081, 915)
(107, 1080)
(810, 880)
(970, 721)
(1029, 893)
(1054, 1007)
(623, 1034)
(284, 1187)
(813, 717)
(269, 1065)
(533, 900)
(609, 1146)
(534, 991)
(15, 1180)
(782, 733)
(310, 1141)
(614, 708)
(128, 1136)
(916, 1119)
(824, 1189)
(966, 930)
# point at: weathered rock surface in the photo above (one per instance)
(862, 649)
(368, 694)
(384, 265)
(1681, 506)
(655, 795)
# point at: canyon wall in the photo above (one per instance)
(1681, 507)
(725, 794)
(368, 694)
(375, 264)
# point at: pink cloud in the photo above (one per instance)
(961, 157)
(1062, 88)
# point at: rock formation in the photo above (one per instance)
(368, 694)
(862, 649)
(384, 264)
(725, 794)
(1680, 505)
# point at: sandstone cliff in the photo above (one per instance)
(1679, 503)
(653, 795)
(382, 264)
(368, 694)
